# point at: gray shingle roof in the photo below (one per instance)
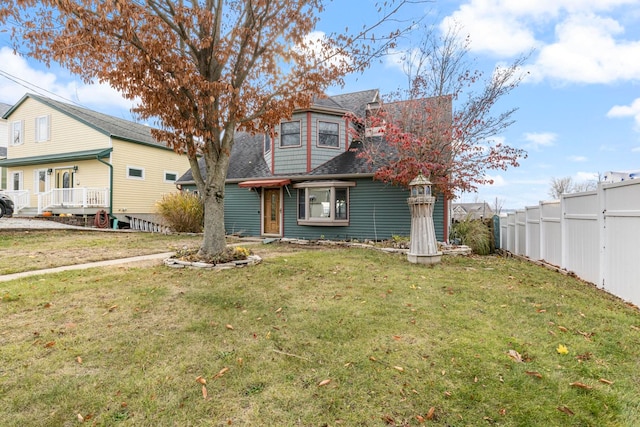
(4, 108)
(247, 160)
(112, 126)
(356, 102)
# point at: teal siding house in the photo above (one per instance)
(308, 182)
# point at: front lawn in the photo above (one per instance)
(318, 337)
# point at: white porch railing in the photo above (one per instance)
(82, 197)
(20, 198)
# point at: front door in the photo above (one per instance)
(64, 181)
(271, 211)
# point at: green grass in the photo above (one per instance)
(394, 339)
(35, 250)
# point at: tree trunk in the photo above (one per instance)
(214, 241)
(212, 189)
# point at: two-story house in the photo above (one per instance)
(67, 159)
(309, 182)
(4, 142)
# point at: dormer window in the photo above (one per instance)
(328, 134)
(290, 134)
(267, 143)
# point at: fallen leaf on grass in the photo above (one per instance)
(221, 373)
(420, 419)
(563, 329)
(324, 382)
(201, 380)
(603, 381)
(80, 418)
(389, 420)
(50, 344)
(502, 411)
(515, 355)
(204, 392)
(431, 412)
(581, 385)
(565, 410)
(534, 374)
(586, 335)
(399, 368)
(79, 360)
(228, 327)
(562, 349)
(279, 310)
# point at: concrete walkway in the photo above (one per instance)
(24, 224)
(21, 223)
(154, 258)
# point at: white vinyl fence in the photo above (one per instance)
(595, 235)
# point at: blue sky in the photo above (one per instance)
(579, 109)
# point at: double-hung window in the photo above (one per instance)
(323, 202)
(290, 134)
(42, 128)
(17, 137)
(328, 134)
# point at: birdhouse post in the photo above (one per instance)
(424, 247)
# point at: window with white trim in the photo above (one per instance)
(42, 180)
(290, 134)
(328, 134)
(170, 177)
(323, 202)
(135, 172)
(42, 128)
(16, 133)
(267, 143)
(16, 180)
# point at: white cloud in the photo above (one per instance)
(575, 40)
(586, 177)
(577, 158)
(536, 140)
(632, 110)
(18, 77)
(635, 150)
(315, 45)
(586, 51)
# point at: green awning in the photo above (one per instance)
(56, 158)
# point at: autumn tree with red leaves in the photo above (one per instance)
(441, 127)
(203, 68)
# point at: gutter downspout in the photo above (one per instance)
(99, 158)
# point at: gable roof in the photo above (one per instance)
(356, 102)
(111, 126)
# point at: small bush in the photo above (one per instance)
(182, 211)
(473, 233)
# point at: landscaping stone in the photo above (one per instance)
(177, 263)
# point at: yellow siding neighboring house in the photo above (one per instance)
(4, 142)
(142, 175)
(68, 159)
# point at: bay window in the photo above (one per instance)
(323, 202)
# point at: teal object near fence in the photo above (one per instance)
(496, 231)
